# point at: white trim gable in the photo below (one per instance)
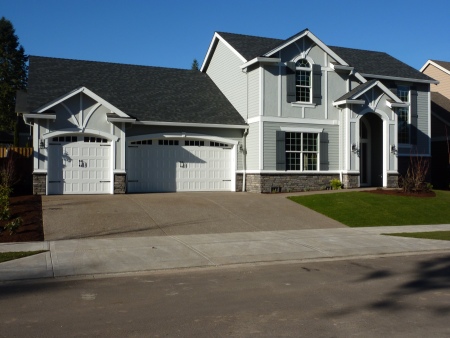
(211, 48)
(85, 91)
(431, 62)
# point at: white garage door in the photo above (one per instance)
(178, 165)
(79, 165)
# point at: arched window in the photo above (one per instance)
(303, 81)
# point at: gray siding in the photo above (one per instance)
(253, 92)
(225, 72)
(423, 133)
(329, 144)
(271, 78)
(253, 147)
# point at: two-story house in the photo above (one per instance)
(262, 115)
(440, 122)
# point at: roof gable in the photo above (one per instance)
(441, 65)
(142, 92)
(357, 92)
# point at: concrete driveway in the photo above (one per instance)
(173, 214)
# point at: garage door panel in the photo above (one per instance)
(160, 168)
(79, 168)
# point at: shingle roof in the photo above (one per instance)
(377, 63)
(355, 91)
(443, 64)
(143, 92)
(440, 105)
(364, 61)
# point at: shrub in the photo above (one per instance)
(14, 225)
(414, 181)
(336, 184)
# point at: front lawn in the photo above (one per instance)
(9, 256)
(442, 235)
(363, 209)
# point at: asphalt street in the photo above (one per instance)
(403, 296)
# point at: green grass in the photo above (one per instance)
(9, 256)
(362, 209)
(442, 235)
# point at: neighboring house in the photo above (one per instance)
(440, 122)
(262, 115)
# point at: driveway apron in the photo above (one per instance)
(173, 214)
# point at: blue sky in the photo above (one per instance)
(171, 33)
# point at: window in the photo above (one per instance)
(95, 139)
(168, 142)
(146, 142)
(194, 143)
(65, 139)
(301, 151)
(403, 116)
(303, 81)
(218, 144)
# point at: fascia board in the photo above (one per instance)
(211, 49)
(104, 102)
(118, 119)
(58, 100)
(263, 60)
(187, 124)
(285, 44)
(341, 67)
(40, 116)
(399, 78)
(397, 105)
(430, 62)
(343, 102)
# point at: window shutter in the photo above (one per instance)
(317, 84)
(290, 82)
(281, 150)
(414, 116)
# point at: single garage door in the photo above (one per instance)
(79, 165)
(178, 165)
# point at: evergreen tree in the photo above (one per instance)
(194, 65)
(13, 73)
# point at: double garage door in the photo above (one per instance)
(178, 165)
(79, 165)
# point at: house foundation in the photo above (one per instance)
(39, 184)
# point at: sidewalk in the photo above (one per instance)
(89, 257)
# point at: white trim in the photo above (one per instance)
(431, 62)
(212, 46)
(73, 118)
(339, 103)
(186, 124)
(123, 147)
(290, 172)
(337, 67)
(40, 116)
(275, 119)
(261, 145)
(280, 91)
(120, 119)
(429, 121)
(299, 104)
(399, 78)
(66, 131)
(261, 91)
(40, 171)
(181, 136)
(260, 59)
(85, 91)
(302, 130)
(316, 40)
(397, 105)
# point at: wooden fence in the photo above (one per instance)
(21, 151)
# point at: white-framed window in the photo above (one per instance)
(403, 122)
(302, 151)
(303, 81)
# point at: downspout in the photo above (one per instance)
(244, 160)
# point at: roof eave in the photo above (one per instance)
(190, 124)
(431, 62)
(345, 102)
(385, 77)
(261, 60)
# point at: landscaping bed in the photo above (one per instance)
(29, 208)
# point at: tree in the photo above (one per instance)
(194, 65)
(13, 74)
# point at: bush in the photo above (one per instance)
(414, 181)
(13, 225)
(336, 184)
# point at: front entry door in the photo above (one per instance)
(364, 155)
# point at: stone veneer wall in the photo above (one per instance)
(392, 180)
(39, 184)
(350, 181)
(120, 183)
(239, 182)
(268, 183)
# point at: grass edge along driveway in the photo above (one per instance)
(364, 209)
(9, 256)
